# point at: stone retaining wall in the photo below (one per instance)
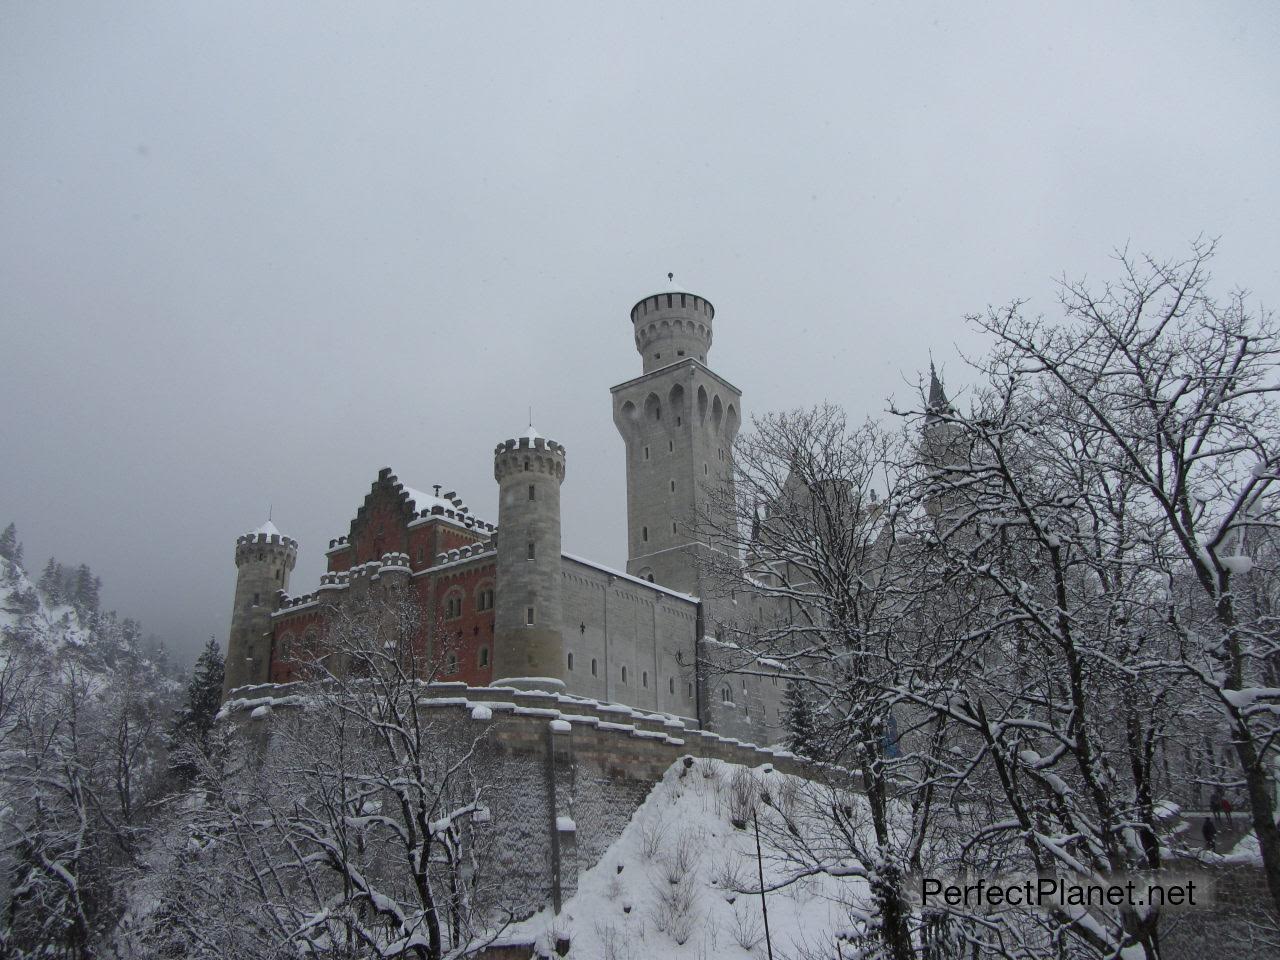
(564, 775)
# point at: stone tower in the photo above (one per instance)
(678, 420)
(264, 560)
(528, 643)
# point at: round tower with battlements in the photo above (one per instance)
(672, 326)
(264, 560)
(528, 642)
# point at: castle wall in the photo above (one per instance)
(617, 622)
(543, 757)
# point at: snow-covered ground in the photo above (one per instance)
(681, 881)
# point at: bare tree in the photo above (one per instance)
(356, 826)
(1150, 422)
(814, 558)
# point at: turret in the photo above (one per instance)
(672, 326)
(528, 640)
(264, 560)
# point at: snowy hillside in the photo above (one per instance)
(61, 628)
(26, 615)
(682, 880)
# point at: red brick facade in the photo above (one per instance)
(455, 593)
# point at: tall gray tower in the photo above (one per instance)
(264, 560)
(528, 642)
(678, 420)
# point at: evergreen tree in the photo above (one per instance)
(51, 583)
(86, 591)
(10, 548)
(204, 697)
(802, 726)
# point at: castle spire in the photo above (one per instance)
(938, 403)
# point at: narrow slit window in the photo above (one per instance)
(531, 551)
(533, 493)
(571, 661)
(593, 667)
(528, 616)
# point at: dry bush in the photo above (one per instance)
(674, 910)
(731, 874)
(748, 930)
(743, 792)
(651, 833)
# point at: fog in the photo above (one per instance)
(251, 253)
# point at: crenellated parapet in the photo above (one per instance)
(528, 454)
(671, 327)
(260, 546)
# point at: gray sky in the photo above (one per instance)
(252, 252)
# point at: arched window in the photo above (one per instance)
(689, 694)
(671, 685)
(593, 667)
(484, 599)
(726, 694)
(624, 674)
(533, 491)
(571, 660)
(644, 679)
(453, 604)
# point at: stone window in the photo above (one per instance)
(649, 577)
(528, 616)
(705, 471)
(644, 679)
(593, 667)
(671, 685)
(679, 353)
(657, 356)
(644, 535)
(646, 453)
(255, 599)
(533, 493)
(453, 605)
(673, 526)
(726, 694)
(530, 555)
(671, 446)
(679, 421)
(484, 656)
(689, 693)
(571, 660)
(526, 466)
(673, 486)
(624, 674)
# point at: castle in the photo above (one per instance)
(517, 610)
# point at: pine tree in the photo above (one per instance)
(86, 592)
(802, 737)
(204, 697)
(10, 548)
(51, 583)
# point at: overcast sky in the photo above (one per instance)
(252, 252)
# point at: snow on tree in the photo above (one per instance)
(356, 828)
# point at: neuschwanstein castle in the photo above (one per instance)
(517, 610)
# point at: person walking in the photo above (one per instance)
(1210, 835)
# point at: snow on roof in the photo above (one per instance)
(269, 528)
(532, 434)
(425, 501)
(626, 576)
